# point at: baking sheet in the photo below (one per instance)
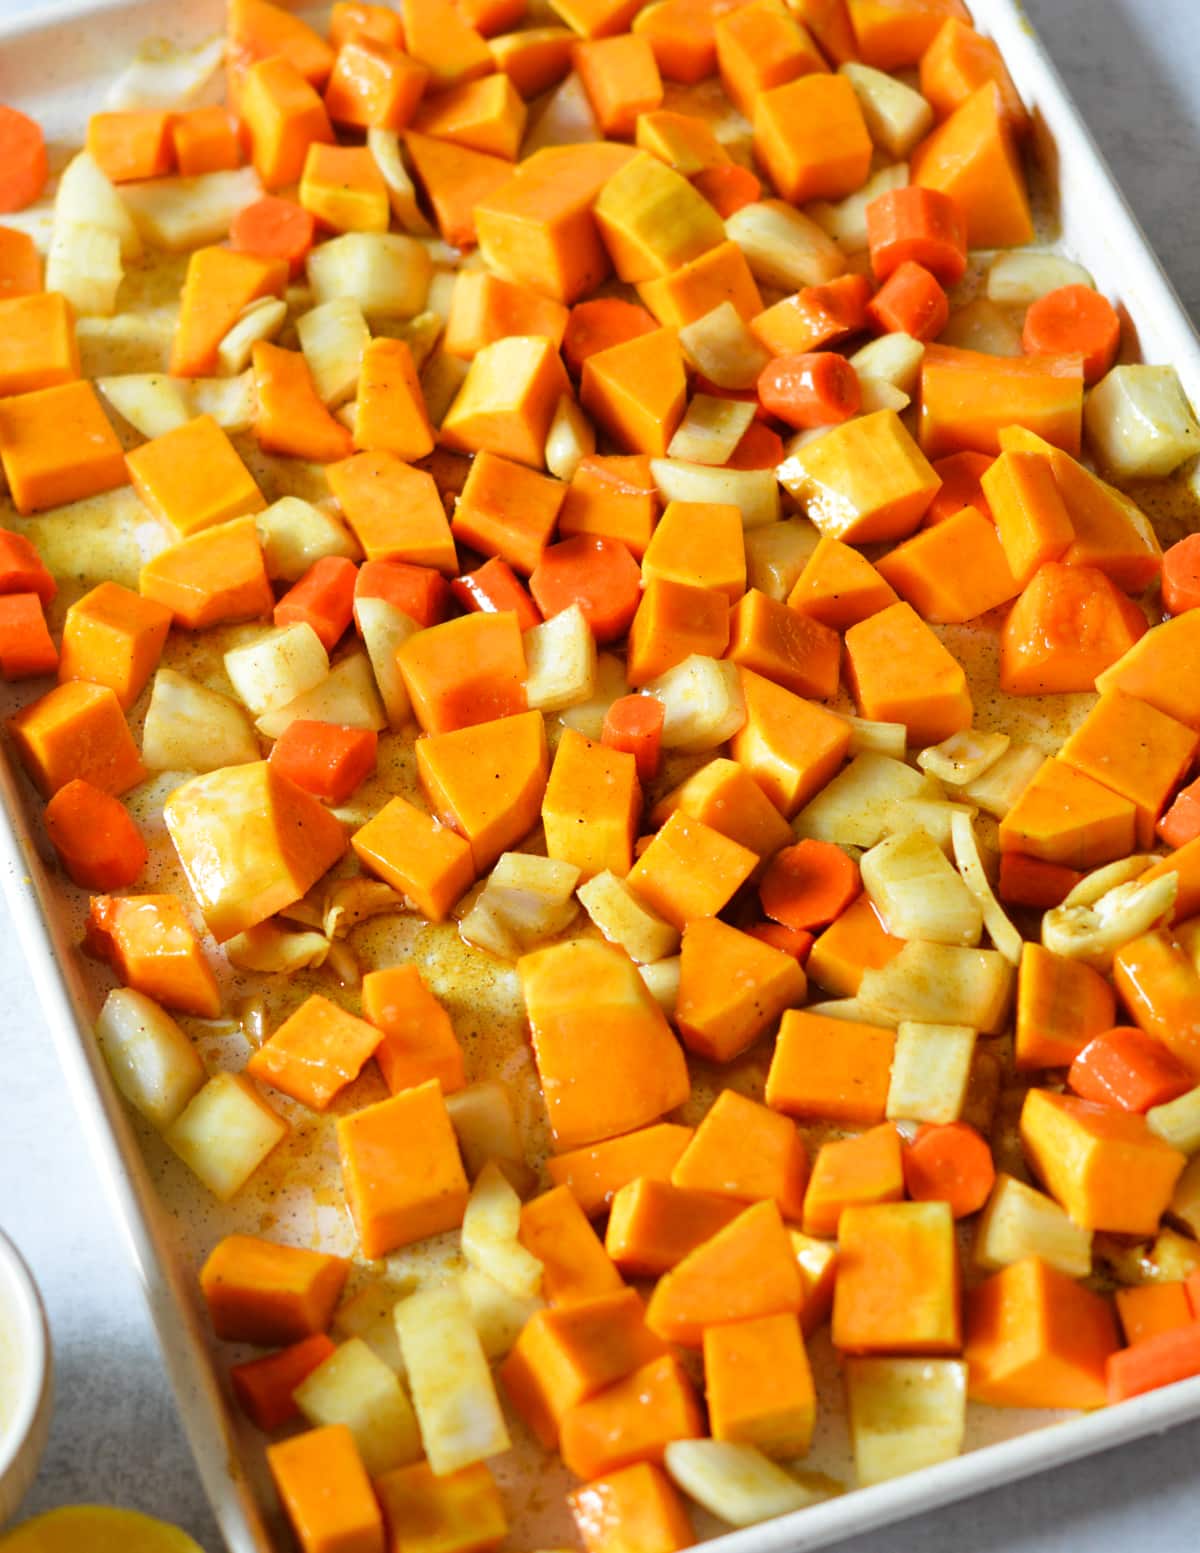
(57, 67)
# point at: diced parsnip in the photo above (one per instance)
(386, 273)
(192, 728)
(1185, 1202)
(526, 900)
(608, 686)
(1139, 422)
(1023, 277)
(231, 401)
(846, 221)
(876, 393)
(624, 920)
(420, 334)
(855, 1011)
(441, 293)
(441, 379)
(896, 116)
(485, 1123)
(370, 1315)
(277, 666)
(384, 628)
(755, 492)
(163, 75)
(982, 326)
(152, 403)
(294, 534)
(1094, 933)
(270, 948)
(346, 696)
(711, 429)
(1178, 1122)
(719, 345)
(854, 809)
(384, 146)
(262, 320)
(489, 1235)
(498, 1315)
(566, 120)
(1018, 1221)
(662, 982)
(152, 1062)
(784, 247)
(84, 263)
(941, 984)
(332, 339)
(930, 1072)
(85, 197)
(702, 702)
(356, 1388)
(776, 554)
(225, 1132)
(560, 658)
(736, 1483)
(905, 1414)
(1000, 930)
(570, 440)
(963, 757)
(917, 893)
(892, 358)
(1002, 783)
(875, 738)
(179, 214)
(452, 1387)
(125, 344)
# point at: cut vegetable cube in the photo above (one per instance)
(225, 1132)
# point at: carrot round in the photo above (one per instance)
(95, 837)
(1028, 881)
(727, 188)
(492, 589)
(273, 228)
(599, 575)
(819, 388)
(949, 1164)
(792, 940)
(635, 724)
(1074, 321)
(809, 884)
(910, 301)
(1181, 823)
(23, 165)
(1181, 576)
(917, 225)
(1129, 1069)
(760, 448)
(596, 325)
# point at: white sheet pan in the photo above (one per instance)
(56, 64)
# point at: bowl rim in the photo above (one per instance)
(37, 1334)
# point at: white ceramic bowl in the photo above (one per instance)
(26, 1379)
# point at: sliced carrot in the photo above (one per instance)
(952, 1164)
(1155, 1361)
(274, 228)
(603, 322)
(493, 588)
(809, 884)
(1074, 321)
(1129, 1069)
(26, 647)
(916, 225)
(598, 574)
(263, 1387)
(910, 301)
(1028, 881)
(819, 388)
(760, 448)
(792, 940)
(420, 591)
(1181, 823)
(1181, 576)
(23, 165)
(95, 837)
(635, 724)
(727, 189)
(325, 759)
(323, 599)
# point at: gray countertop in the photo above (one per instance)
(1134, 68)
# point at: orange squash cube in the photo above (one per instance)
(112, 636)
(1160, 985)
(621, 79)
(258, 1291)
(315, 1052)
(901, 673)
(418, 1041)
(592, 804)
(690, 870)
(392, 416)
(1151, 1308)
(283, 116)
(462, 1509)
(654, 1225)
(37, 342)
(890, 34)
(508, 400)
(77, 730)
(790, 746)
(898, 1282)
(218, 286)
(863, 480)
(955, 571)
(131, 144)
(830, 1069)
(533, 59)
(211, 577)
(485, 308)
(760, 46)
(968, 398)
(839, 586)
(725, 796)
(855, 942)
(374, 85)
(193, 477)
(456, 181)
(596, 1174)
(576, 1265)
(972, 158)
(720, 274)
(439, 37)
(674, 621)
(632, 1420)
(326, 1492)
(1161, 669)
(701, 544)
(487, 781)
(1066, 817)
(811, 137)
(205, 141)
(745, 1152)
(681, 140)
(487, 115)
(416, 855)
(394, 510)
(342, 187)
(1137, 751)
(151, 944)
(507, 510)
(57, 446)
(401, 1170)
(856, 1172)
(612, 497)
(1031, 521)
(637, 391)
(1061, 1005)
(635, 1510)
(465, 671)
(785, 646)
(732, 988)
(759, 1385)
(957, 63)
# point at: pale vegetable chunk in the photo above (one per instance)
(856, 808)
(485, 1123)
(970, 865)
(868, 737)
(892, 358)
(525, 901)
(702, 702)
(776, 554)
(270, 948)
(499, 1316)
(152, 1062)
(1178, 1122)
(386, 273)
(346, 696)
(625, 920)
(225, 1132)
(384, 628)
(755, 492)
(896, 116)
(295, 534)
(963, 757)
(452, 1387)
(1139, 422)
(262, 320)
(720, 345)
(1025, 276)
(333, 338)
(163, 75)
(662, 978)
(231, 401)
(370, 1315)
(846, 221)
(151, 402)
(1093, 933)
(356, 1388)
(191, 728)
(941, 984)
(179, 214)
(489, 1235)
(930, 1072)
(85, 197)
(277, 666)
(905, 1414)
(609, 685)
(784, 247)
(918, 894)
(736, 1483)
(711, 429)
(1003, 782)
(384, 146)
(1018, 1221)
(570, 440)
(560, 660)
(84, 263)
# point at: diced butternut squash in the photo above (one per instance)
(636, 390)
(457, 181)
(830, 1069)
(113, 637)
(856, 1172)
(487, 781)
(674, 620)
(839, 587)
(1159, 983)
(790, 746)
(952, 572)
(855, 942)
(632, 1420)
(726, 797)
(969, 397)
(701, 544)
(596, 1174)
(1139, 752)
(718, 275)
(212, 577)
(1061, 1005)
(57, 446)
(635, 1508)
(898, 1283)
(465, 671)
(465, 1508)
(391, 412)
(759, 1385)
(418, 1041)
(576, 1264)
(258, 1291)
(900, 672)
(508, 510)
(690, 870)
(863, 480)
(743, 1151)
(654, 1225)
(972, 158)
(394, 510)
(811, 137)
(732, 988)
(508, 400)
(417, 856)
(39, 349)
(1161, 669)
(1063, 816)
(591, 807)
(1067, 628)
(151, 944)
(77, 730)
(785, 646)
(326, 1492)
(193, 477)
(653, 221)
(315, 1052)
(282, 116)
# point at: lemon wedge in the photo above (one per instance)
(97, 1529)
